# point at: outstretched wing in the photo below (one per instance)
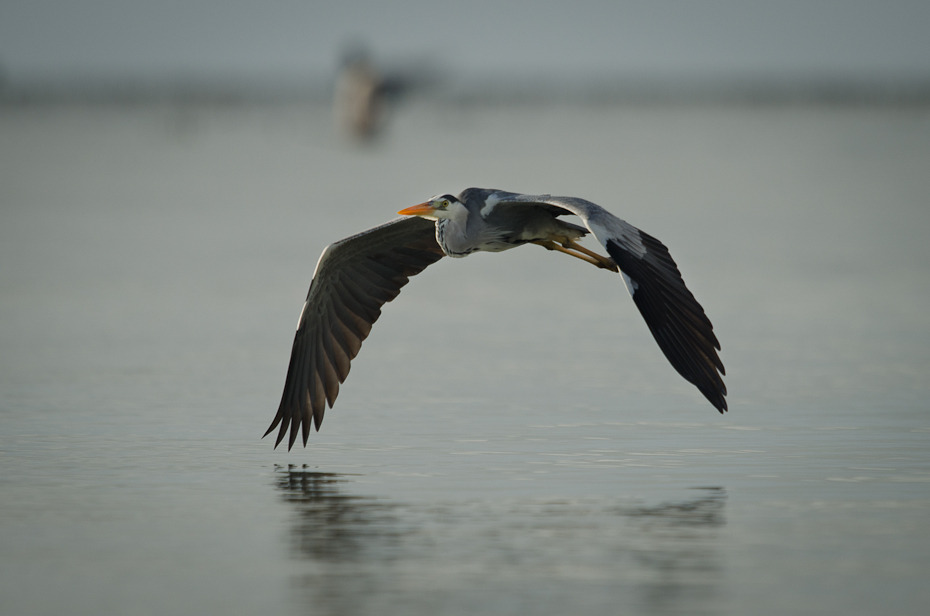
(353, 279)
(676, 320)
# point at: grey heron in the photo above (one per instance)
(356, 276)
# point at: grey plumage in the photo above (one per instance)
(356, 276)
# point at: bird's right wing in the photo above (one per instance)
(353, 279)
(676, 319)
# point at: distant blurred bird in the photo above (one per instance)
(356, 276)
(357, 99)
(366, 92)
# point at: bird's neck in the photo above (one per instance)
(452, 233)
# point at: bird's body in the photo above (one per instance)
(357, 275)
(494, 229)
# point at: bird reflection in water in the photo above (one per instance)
(333, 526)
(365, 554)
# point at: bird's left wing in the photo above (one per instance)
(675, 318)
(353, 279)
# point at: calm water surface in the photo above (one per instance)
(510, 440)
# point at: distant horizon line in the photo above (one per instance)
(214, 88)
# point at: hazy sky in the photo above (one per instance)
(293, 38)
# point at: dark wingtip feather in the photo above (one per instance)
(674, 317)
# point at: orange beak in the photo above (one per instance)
(422, 209)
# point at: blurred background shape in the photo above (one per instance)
(365, 92)
(357, 96)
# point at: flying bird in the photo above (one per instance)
(356, 276)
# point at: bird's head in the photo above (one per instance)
(438, 208)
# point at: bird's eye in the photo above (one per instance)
(444, 203)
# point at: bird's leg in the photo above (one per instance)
(601, 261)
(571, 248)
